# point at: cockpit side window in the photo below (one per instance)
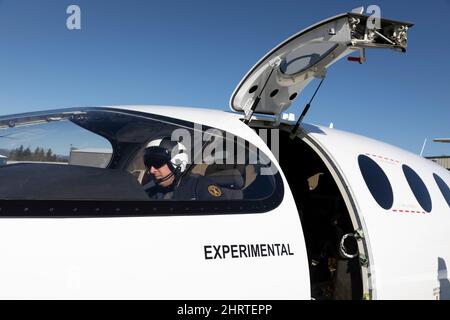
(95, 161)
(219, 161)
(54, 142)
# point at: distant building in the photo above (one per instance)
(90, 157)
(3, 160)
(441, 160)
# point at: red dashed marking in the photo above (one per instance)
(383, 158)
(408, 211)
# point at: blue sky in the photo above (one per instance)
(194, 53)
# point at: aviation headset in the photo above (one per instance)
(165, 151)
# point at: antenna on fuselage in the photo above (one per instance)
(423, 146)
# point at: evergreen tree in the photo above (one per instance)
(12, 155)
(20, 153)
(27, 156)
(41, 155)
(36, 153)
(49, 155)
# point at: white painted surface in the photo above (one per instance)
(405, 246)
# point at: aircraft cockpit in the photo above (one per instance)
(96, 154)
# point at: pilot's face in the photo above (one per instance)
(161, 173)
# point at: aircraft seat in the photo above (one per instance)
(227, 176)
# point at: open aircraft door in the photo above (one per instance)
(268, 90)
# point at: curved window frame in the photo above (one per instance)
(411, 174)
(285, 65)
(105, 209)
(372, 186)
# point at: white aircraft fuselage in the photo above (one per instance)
(344, 217)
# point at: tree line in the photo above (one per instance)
(39, 154)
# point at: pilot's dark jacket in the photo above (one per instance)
(193, 187)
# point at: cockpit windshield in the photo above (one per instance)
(98, 154)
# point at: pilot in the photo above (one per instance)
(166, 162)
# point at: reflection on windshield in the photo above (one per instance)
(73, 159)
(53, 142)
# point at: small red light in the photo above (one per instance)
(356, 59)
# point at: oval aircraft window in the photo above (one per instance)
(305, 57)
(418, 188)
(443, 187)
(377, 182)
